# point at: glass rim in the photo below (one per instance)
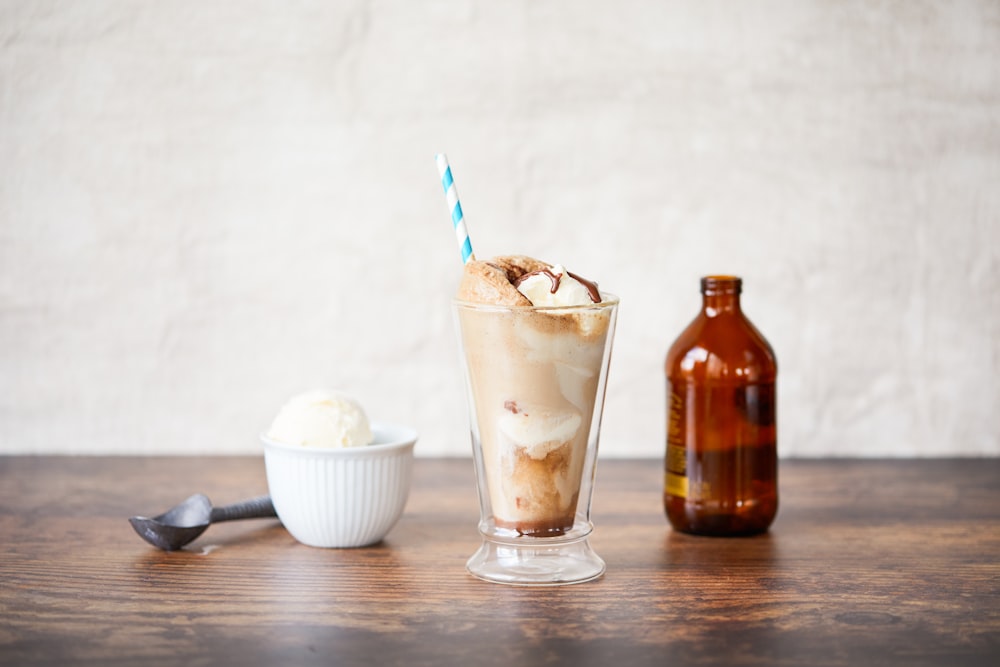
(607, 300)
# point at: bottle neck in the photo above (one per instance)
(721, 294)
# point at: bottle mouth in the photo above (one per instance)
(721, 284)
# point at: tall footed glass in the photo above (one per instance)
(536, 378)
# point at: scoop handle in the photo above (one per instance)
(254, 508)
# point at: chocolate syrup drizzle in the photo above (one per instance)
(595, 294)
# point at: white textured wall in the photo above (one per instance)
(208, 206)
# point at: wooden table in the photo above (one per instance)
(868, 563)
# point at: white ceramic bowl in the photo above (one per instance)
(348, 497)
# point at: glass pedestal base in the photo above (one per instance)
(536, 561)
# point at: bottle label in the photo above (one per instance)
(676, 483)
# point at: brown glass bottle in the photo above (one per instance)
(721, 462)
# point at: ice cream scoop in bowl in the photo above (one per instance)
(349, 494)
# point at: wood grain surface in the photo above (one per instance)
(869, 563)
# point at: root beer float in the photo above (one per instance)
(534, 366)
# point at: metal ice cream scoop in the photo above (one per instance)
(182, 524)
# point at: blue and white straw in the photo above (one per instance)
(451, 193)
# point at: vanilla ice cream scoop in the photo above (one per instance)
(556, 286)
(538, 429)
(322, 418)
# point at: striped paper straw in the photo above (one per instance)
(451, 193)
